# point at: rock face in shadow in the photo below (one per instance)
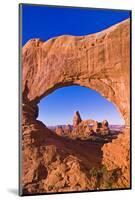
(99, 61)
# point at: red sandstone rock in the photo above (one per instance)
(117, 155)
(105, 124)
(59, 131)
(82, 130)
(67, 130)
(99, 61)
(76, 119)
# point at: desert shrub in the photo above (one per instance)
(105, 179)
(93, 172)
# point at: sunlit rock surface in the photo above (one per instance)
(99, 61)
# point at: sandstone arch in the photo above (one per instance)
(100, 61)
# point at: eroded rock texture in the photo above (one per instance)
(99, 61)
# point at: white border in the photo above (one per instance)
(9, 97)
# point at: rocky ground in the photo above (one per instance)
(53, 163)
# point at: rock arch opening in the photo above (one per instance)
(60, 105)
(56, 111)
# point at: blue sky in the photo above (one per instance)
(46, 22)
(59, 106)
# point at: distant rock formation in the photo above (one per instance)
(59, 130)
(86, 128)
(101, 128)
(67, 129)
(105, 124)
(63, 130)
(105, 130)
(76, 119)
(82, 131)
